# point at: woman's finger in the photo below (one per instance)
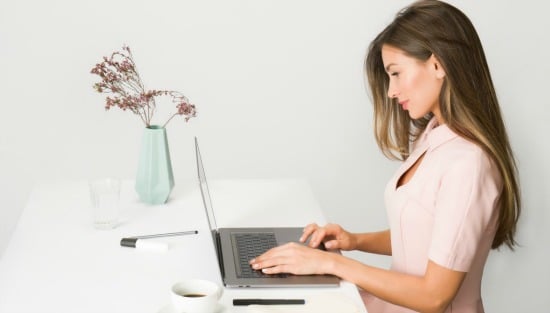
(317, 237)
(277, 270)
(332, 244)
(268, 263)
(308, 230)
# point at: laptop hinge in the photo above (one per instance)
(219, 252)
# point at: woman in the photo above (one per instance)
(455, 196)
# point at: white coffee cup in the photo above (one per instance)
(195, 296)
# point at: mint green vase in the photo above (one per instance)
(154, 180)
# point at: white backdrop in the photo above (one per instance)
(279, 90)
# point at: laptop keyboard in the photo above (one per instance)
(249, 246)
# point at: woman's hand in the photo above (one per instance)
(294, 258)
(299, 259)
(332, 235)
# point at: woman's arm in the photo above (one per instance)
(378, 242)
(431, 292)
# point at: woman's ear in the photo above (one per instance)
(436, 66)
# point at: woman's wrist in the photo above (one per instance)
(375, 242)
(362, 242)
(354, 241)
(331, 264)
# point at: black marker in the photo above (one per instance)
(268, 301)
(138, 242)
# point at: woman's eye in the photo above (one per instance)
(394, 74)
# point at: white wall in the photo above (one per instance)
(279, 90)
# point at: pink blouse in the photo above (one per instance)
(446, 213)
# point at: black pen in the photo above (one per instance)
(181, 233)
(268, 301)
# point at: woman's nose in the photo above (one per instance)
(392, 93)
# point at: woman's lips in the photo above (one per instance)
(404, 104)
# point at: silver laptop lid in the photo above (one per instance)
(207, 201)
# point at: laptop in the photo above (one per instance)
(236, 246)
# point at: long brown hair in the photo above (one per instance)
(468, 101)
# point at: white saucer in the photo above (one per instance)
(169, 308)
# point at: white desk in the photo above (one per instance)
(57, 262)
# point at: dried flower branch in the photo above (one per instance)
(120, 78)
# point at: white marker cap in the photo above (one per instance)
(142, 244)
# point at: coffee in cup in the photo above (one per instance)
(195, 296)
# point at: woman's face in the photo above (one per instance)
(414, 84)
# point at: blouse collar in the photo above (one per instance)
(436, 134)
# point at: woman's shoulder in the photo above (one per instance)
(465, 157)
(461, 147)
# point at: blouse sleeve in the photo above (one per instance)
(467, 198)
